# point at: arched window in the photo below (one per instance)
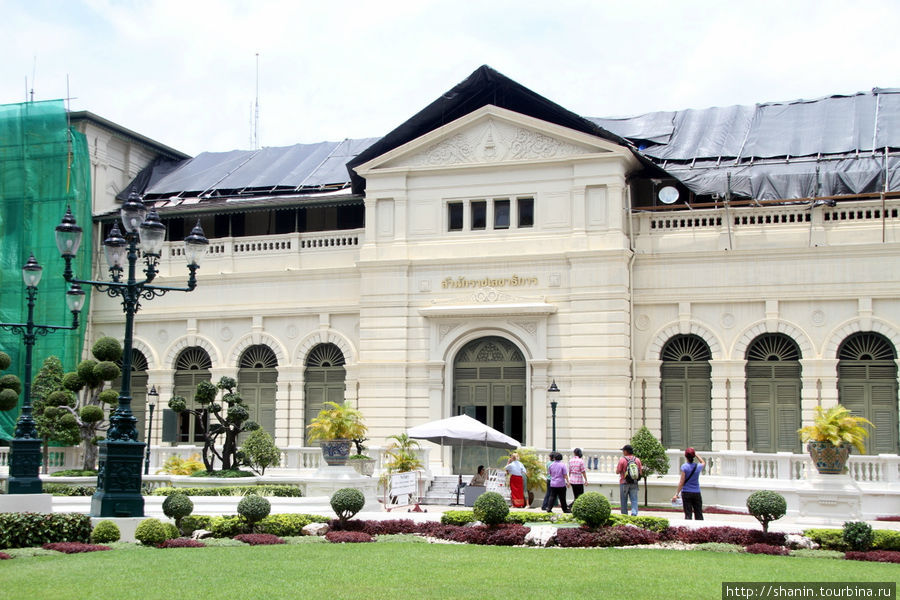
(324, 379)
(257, 383)
(773, 394)
(191, 367)
(867, 386)
(489, 385)
(686, 393)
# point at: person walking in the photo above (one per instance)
(549, 499)
(629, 470)
(517, 476)
(689, 486)
(577, 473)
(559, 481)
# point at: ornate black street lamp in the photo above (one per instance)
(26, 446)
(154, 396)
(119, 476)
(553, 392)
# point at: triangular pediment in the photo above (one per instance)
(491, 135)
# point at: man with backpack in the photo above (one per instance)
(629, 470)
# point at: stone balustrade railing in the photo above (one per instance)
(872, 469)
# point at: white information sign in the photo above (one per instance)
(403, 484)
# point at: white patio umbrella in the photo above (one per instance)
(462, 431)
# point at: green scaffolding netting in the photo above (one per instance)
(44, 166)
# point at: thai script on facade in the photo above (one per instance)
(495, 282)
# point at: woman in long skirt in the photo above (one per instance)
(517, 475)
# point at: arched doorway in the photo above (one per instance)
(139, 366)
(686, 393)
(489, 385)
(257, 383)
(867, 386)
(773, 394)
(324, 380)
(191, 367)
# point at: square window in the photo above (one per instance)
(526, 211)
(455, 216)
(479, 214)
(501, 214)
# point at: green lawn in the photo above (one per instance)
(409, 571)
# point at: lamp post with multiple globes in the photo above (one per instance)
(119, 476)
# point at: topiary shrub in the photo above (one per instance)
(150, 532)
(829, 539)
(347, 502)
(227, 526)
(458, 517)
(490, 508)
(177, 507)
(107, 348)
(192, 523)
(858, 535)
(171, 531)
(254, 508)
(286, 525)
(105, 532)
(886, 539)
(592, 509)
(766, 506)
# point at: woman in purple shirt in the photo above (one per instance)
(689, 486)
(559, 480)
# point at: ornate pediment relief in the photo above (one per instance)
(491, 140)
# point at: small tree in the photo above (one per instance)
(402, 453)
(54, 423)
(215, 424)
(90, 411)
(652, 454)
(10, 385)
(766, 506)
(260, 451)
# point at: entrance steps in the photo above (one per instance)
(442, 490)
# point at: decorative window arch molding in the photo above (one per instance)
(253, 339)
(325, 336)
(677, 328)
(189, 341)
(855, 325)
(739, 350)
(148, 352)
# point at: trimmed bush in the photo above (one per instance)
(286, 525)
(192, 523)
(657, 524)
(886, 539)
(348, 537)
(459, 517)
(181, 543)
(24, 530)
(829, 539)
(64, 489)
(74, 547)
(259, 539)
(105, 532)
(858, 535)
(151, 532)
(490, 508)
(254, 508)
(766, 506)
(171, 531)
(107, 348)
(281, 491)
(767, 549)
(227, 526)
(8, 399)
(347, 502)
(885, 556)
(73, 473)
(177, 506)
(592, 509)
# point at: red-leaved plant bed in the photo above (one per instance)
(722, 535)
(887, 556)
(767, 549)
(259, 539)
(888, 518)
(4, 556)
(582, 537)
(348, 537)
(74, 547)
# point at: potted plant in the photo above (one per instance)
(830, 436)
(363, 463)
(535, 469)
(335, 426)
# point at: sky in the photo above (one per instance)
(184, 73)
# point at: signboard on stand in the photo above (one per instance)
(403, 490)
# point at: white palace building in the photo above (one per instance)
(712, 274)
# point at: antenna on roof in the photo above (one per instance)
(33, 75)
(256, 109)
